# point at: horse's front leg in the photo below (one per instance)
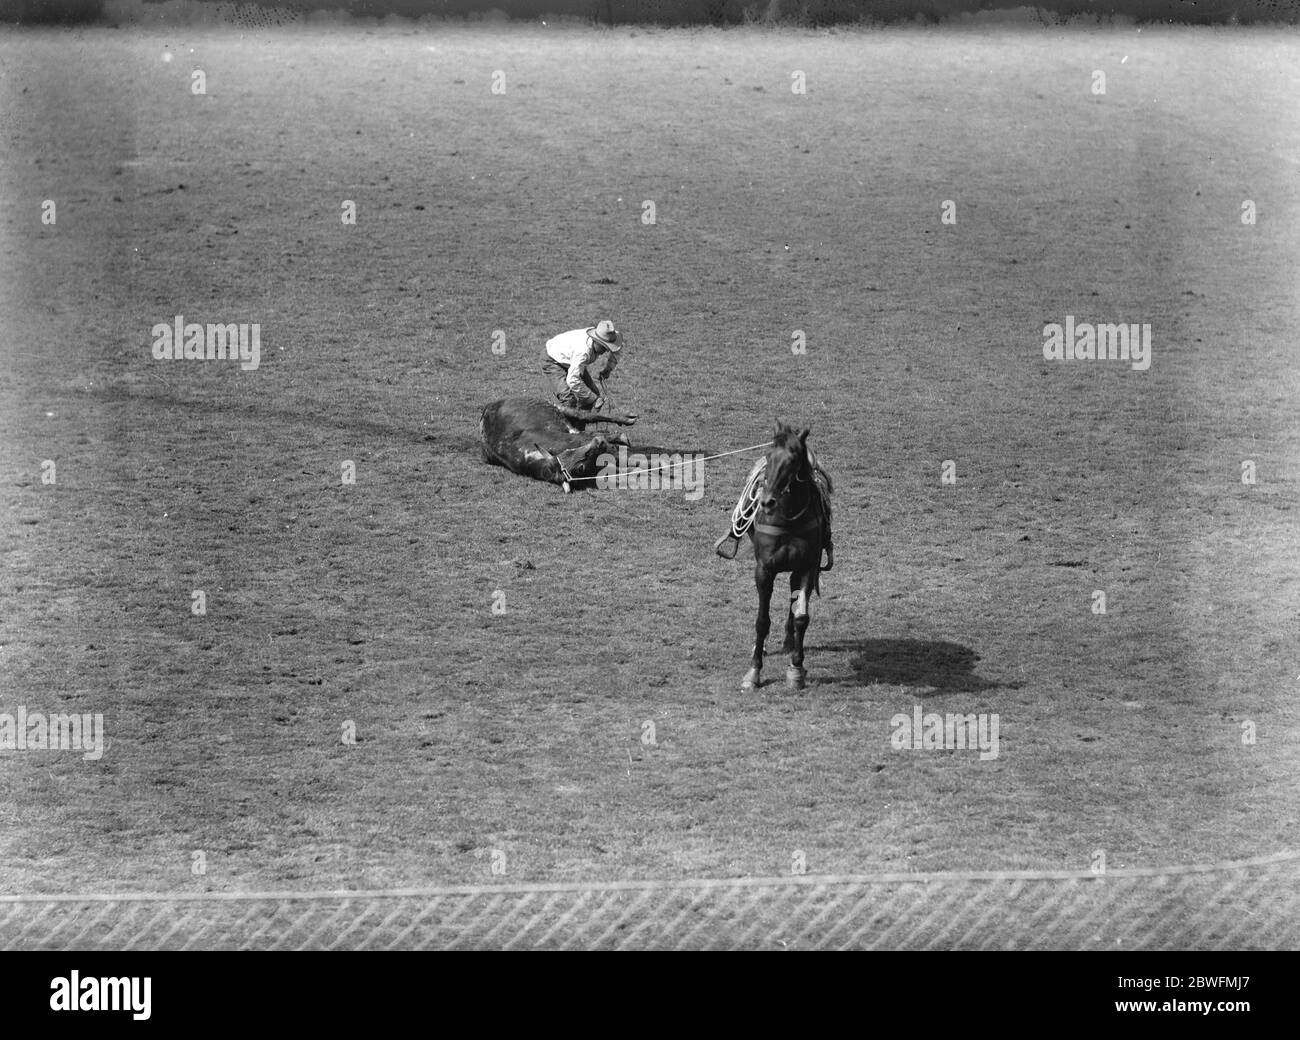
(788, 646)
(763, 579)
(796, 674)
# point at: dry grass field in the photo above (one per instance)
(521, 732)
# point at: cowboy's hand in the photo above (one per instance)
(599, 406)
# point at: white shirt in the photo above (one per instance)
(576, 351)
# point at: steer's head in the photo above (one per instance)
(584, 461)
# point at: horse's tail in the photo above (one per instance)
(822, 482)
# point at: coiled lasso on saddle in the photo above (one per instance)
(746, 508)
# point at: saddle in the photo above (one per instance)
(746, 510)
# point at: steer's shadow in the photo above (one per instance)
(946, 667)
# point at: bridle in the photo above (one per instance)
(778, 520)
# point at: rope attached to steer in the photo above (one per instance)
(678, 465)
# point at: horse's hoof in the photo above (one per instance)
(752, 680)
(795, 677)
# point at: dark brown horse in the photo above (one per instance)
(790, 530)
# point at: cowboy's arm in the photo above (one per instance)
(575, 381)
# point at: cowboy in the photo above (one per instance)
(572, 355)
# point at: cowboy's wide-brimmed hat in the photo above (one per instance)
(605, 334)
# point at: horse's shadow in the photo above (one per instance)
(943, 666)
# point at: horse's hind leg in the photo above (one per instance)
(796, 674)
(763, 579)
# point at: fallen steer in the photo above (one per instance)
(537, 439)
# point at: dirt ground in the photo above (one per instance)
(520, 732)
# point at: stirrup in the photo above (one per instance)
(830, 558)
(728, 540)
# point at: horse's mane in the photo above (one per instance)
(788, 437)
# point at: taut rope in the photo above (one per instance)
(677, 465)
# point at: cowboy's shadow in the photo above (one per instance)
(945, 667)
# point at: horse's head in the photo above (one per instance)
(787, 464)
